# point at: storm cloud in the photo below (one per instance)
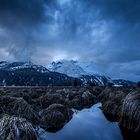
(101, 33)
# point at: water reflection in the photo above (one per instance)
(88, 124)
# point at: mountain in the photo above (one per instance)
(22, 65)
(71, 68)
(124, 83)
(60, 73)
(29, 74)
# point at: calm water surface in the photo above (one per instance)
(88, 124)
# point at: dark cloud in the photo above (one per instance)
(19, 22)
(127, 10)
(27, 12)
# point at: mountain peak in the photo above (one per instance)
(69, 67)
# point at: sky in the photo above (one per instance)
(102, 34)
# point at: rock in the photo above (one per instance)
(130, 113)
(15, 128)
(55, 117)
(18, 107)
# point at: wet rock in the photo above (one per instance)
(55, 117)
(18, 107)
(130, 113)
(15, 128)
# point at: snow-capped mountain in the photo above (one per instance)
(29, 74)
(60, 73)
(21, 65)
(72, 68)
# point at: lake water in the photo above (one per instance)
(87, 124)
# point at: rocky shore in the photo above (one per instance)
(23, 110)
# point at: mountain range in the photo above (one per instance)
(59, 73)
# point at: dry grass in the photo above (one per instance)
(15, 128)
(130, 113)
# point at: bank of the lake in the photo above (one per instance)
(87, 124)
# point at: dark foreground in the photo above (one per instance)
(24, 110)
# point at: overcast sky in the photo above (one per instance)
(104, 34)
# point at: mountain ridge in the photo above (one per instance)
(29, 74)
(58, 73)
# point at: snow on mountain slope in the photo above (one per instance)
(68, 67)
(73, 69)
(124, 83)
(29, 74)
(21, 65)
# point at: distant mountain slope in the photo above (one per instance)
(124, 83)
(21, 65)
(95, 80)
(71, 68)
(29, 74)
(60, 73)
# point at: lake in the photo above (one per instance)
(87, 124)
